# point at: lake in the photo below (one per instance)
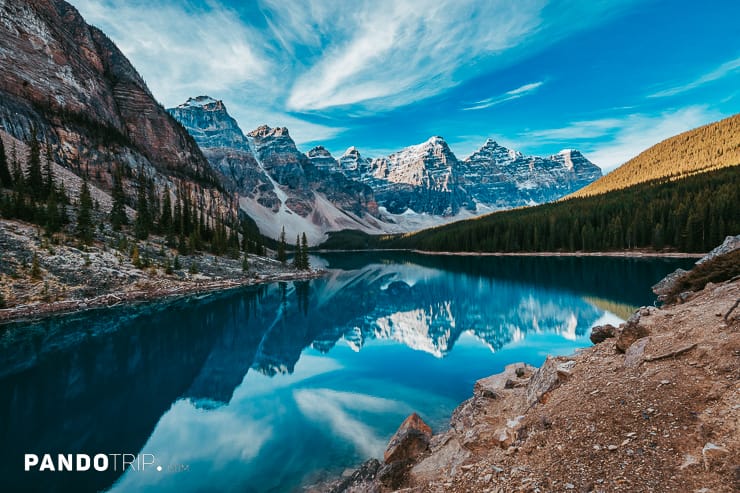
(267, 388)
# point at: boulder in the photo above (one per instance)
(635, 354)
(668, 283)
(514, 375)
(410, 440)
(631, 331)
(444, 462)
(600, 333)
(393, 475)
(362, 480)
(549, 376)
(730, 244)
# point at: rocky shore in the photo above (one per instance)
(653, 406)
(67, 278)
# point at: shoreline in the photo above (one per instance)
(624, 253)
(619, 253)
(166, 291)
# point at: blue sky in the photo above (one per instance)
(610, 78)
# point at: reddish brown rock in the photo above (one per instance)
(632, 331)
(600, 333)
(410, 440)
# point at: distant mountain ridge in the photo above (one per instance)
(710, 147)
(419, 186)
(429, 178)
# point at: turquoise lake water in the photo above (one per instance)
(265, 389)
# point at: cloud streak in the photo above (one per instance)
(183, 50)
(291, 57)
(507, 96)
(723, 70)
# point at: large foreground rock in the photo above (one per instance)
(549, 376)
(600, 333)
(410, 440)
(631, 331)
(667, 285)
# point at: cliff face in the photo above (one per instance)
(87, 101)
(277, 184)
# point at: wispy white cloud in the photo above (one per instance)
(723, 70)
(273, 60)
(390, 53)
(180, 49)
(611, 142)
(338, 410)
(507, 96)
(578, 130)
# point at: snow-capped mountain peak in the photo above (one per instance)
(207, 120)
(351, 151)
(199, 101)
(421, 185)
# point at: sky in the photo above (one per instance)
(607, 77)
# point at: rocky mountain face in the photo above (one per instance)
(86, 100)
(277, 184)
(225, 146)
(422, 178)
(420, 186)
(504, 178)
(429, 179)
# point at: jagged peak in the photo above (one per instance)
(569, 152)
(435, 140)
(266, 131)
(319, 151)
(199, 102)
(351, 151)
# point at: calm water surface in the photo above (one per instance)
(268, 388)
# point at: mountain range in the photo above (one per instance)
(78, 92)
(419, 186)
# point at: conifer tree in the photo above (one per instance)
(34, 179)
(153, 206)
(35, 267)
(48, 172)
(18, 208)
(118, 216)
(245, 262)
(135, 257)
(297, 256)
(282, 246)
(53, 222)
(177, 215)
(6, 180)
(246, 242)
(166, 224)
(141, 226)
(15, 166)
(304, 253)
(84, 215)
